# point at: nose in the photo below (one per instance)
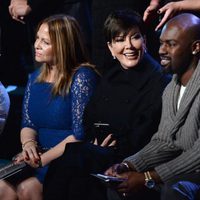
(162, 49)
(128, 43)
(37, 44)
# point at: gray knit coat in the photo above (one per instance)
(175, 148)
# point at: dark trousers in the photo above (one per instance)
(184, 187)
(68, 177)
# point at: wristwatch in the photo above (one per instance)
(149, 182)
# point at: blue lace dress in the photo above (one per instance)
(55, 118)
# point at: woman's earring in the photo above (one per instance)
(145, 49)
(194, 53)
(114, 57)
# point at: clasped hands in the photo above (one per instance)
(31, 154)
(134, 181)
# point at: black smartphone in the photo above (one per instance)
(102, 130)
(109, 179)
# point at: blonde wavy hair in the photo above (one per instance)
(69, 51)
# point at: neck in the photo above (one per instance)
(185, 77)
(52, 67)
(51, 76)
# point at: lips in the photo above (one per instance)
(164, 61)
(37, 54)
(131, 55)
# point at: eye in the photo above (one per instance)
(119, 39)
(136, 36)
(45, 42)
(161, 43)
(171, 44)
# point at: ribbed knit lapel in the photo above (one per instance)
(171, 98)
(192, 89)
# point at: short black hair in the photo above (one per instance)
(122, 21)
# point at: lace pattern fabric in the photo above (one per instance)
(26, 118)
(55, 118)
(81, 89)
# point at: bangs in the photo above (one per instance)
(121, 22)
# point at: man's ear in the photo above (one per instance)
(196, 47)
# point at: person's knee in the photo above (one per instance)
(6, 191)
(23, 191)
(29, 188)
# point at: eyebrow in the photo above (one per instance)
(169, 40)
(120, 36)
(124, 35)
(44, 38)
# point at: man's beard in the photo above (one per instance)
(167, 70)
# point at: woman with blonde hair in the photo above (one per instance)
(54, 101)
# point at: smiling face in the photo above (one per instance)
(128, 49)
(175, 49)
(43, 46)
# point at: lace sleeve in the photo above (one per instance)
(83, 85)
(26, 121)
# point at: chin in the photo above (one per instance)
(167, 70)
(38, 60)
(131, 65)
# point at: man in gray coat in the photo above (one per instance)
(174, 151)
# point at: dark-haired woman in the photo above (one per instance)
(125, 108)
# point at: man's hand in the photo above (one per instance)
(118, 169)
(134, 183)
(112, 171)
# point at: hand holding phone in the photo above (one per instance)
(109, 179)
(102, 131)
